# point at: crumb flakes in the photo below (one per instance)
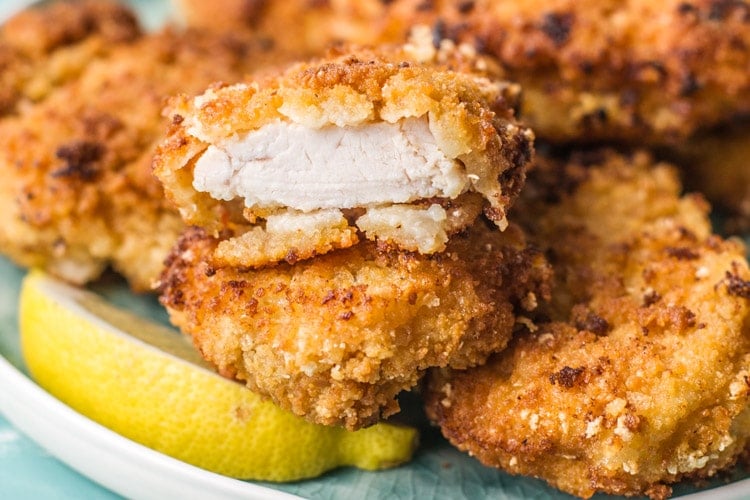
(630, 467)
(615, 407)
(621, 429)
(529, 303)
(534, 422)
(545, 338)
(593, 427)
(523, 320)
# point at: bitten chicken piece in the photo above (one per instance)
(78, 193)
(636, 375)
(336, 338)
(404, 145)
(624, 71)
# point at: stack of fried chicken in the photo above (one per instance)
(481, 197)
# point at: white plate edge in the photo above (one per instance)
(124, 466)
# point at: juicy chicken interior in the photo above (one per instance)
(394, 145)
(305, 169)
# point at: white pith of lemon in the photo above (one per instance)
(146, 382)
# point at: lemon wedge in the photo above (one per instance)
(146, 382)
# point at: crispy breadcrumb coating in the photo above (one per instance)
(637, 72)
(637, 374)
(337, 337)
(41, 48)
(591, 70)
(310, 26)
(78, 192)
(634, 70)
(390, 144)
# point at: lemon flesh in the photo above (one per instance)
(146, 382)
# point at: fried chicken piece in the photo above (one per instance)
(337, 337)
(78, 192)
(334, 265)
(637, 72)
(42, 48)
(646, 72)
(391, 144)
(310, 26)
(639, 375)
(591, 70)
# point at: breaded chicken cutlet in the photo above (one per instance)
(313, 26)
(637, 373)
(619, 70)
(336, 338)
(391, 144)
(41, 48)
(622, 70)
(333, 265)
(77, 192)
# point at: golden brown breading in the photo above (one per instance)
(310, 26)
(390, 143)
(43, 47)
(77, 191)
(635, 70)
(336, 338)
(639, 375)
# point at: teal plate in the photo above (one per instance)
(49, 451)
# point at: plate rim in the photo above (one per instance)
(95, 451)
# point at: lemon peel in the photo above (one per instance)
(146, 382)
